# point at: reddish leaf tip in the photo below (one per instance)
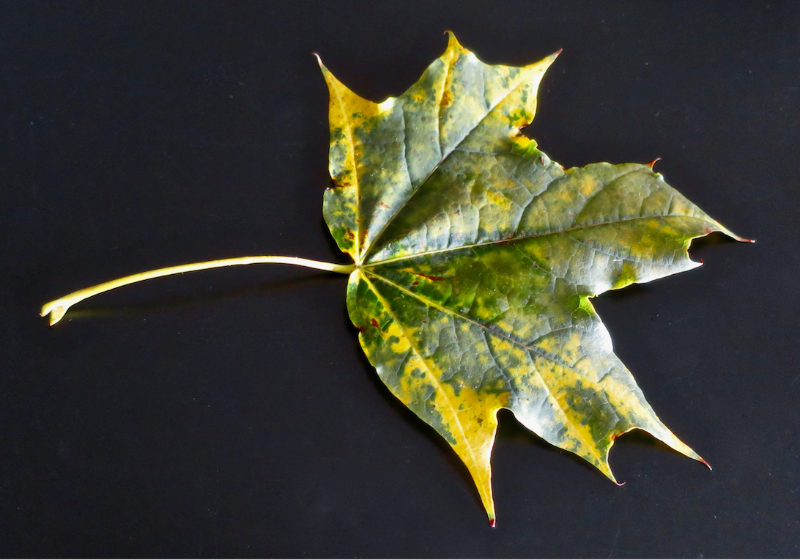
(620, 483)
(653, 163)
(705, 463)
(492, 522)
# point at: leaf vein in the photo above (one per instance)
(355, 174)
(439, 163)
(532, 236)
(418, 352)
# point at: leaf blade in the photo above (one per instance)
(478, 256)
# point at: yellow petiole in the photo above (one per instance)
(56, 309)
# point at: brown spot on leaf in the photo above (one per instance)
(432, 278)
(447, 98)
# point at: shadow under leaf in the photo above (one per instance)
(264, 289)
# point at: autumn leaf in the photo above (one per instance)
(475, 257)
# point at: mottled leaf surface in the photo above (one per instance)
(476, 257)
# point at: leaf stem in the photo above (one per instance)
(56, 309)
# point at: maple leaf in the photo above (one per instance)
(475, 257)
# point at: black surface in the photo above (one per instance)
(231, 413)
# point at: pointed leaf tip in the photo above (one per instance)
(492, 522)
(547, 61)
(452, 42)
(738, 238)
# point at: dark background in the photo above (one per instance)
(231, 413)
